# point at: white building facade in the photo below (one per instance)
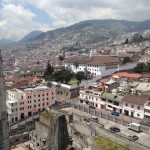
(98, 65)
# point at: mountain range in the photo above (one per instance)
(89, 31)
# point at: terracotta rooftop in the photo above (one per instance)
(95, 60)
(128, 75)
(104, 80)
(136, 99)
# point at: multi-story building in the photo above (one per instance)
(133, 105)
(101, 100)
(23, 103)
(98, 65)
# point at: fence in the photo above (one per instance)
(113, 136)
(106, 115)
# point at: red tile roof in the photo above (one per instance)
(104, 80)
(127, 75)
(95, 60)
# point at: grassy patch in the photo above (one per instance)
(107, 144)
(73, 81)
(47, 115)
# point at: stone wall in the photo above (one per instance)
(58, 137)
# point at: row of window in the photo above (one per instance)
(132, 106)
(29, 107)
(39, 95)
(40, 100)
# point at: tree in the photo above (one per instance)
(139, 68)
(49, 70)
(67, 75)
(126, 60)
(61, 58)
(76, 64)
(80, 75)
(63, 75)
(126, 41)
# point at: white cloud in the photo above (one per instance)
(66, 12)
(16, 21)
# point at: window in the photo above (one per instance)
(138, 115)
(39, 105)
(47, 103)
(34, 100)
(126, 104)
(16, 119)
(109, 101)
(43, 99)
(38, 95)
(52, 93)
(12, 110)
(47, 98)
(43, 104)
(52, 97)
(34, 106)
(116, 103)
(103, 99)
(138, 107)
(39, 100)
(132, 106)
(43, 94)
(34, 95)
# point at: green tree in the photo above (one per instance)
(61, 58)
(63, 75)
(126, 41)
(139, 68)
(76, 64)
(126, 60)
(49, 70)
(80, 75)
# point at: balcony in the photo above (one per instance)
(147, 107)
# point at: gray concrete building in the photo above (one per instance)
(4, 136)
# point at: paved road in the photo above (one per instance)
(143, 137)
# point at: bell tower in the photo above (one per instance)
(4, 136)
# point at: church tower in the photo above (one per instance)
(4, 136)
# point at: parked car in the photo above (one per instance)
(146, 123)
(114, 129)
(133, 137)
(115, 113)
(94, 118)
(92, 107)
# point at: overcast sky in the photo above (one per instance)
(19, 17)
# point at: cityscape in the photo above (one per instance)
(76, 77)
